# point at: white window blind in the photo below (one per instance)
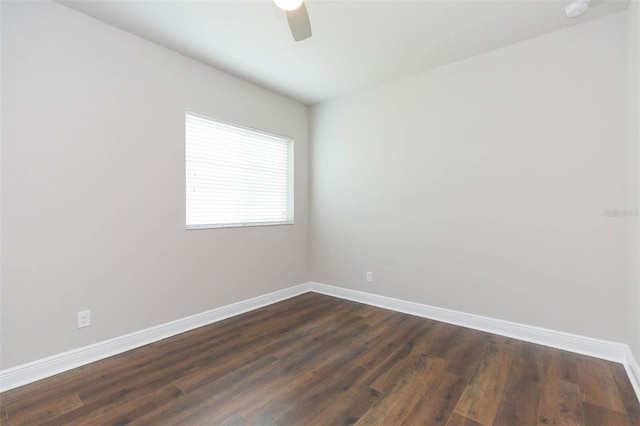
(236, 176)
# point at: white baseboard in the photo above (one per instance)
(46, 367)
(40, 369)
(603, 349)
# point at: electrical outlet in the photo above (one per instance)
(369, 276)
(84, 319)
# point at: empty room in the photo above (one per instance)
(324, 212)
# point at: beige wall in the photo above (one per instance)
(93, 185)
(481, 186)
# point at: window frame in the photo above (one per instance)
(290, 169)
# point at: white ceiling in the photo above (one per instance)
(355, 44)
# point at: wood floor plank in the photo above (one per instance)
(466, 355)
(386, 375)
(302, 406)
(595, 415)
(598, 384)
(122, 414)
(336, 360)
(629, 398)
(560, 399)
(557, 396)
(124, 393)
(127, 376)
(275, 395)
(305, 308)
(375, 316)
(229, 362)
(521, 397)
(437, 404)
(260, 339)
(348, 409)
(223, 397)
(560, 403)
(404, 331)
(371, 339)
(563, 364)
(481, 398)
(135, 385)
(235, 420)
(438, 339)
(68, 381)
(325, 320)
(569, 407)
(316, 359)
(316, 350)
(396, 405)
(199, 409)
(458, 420)
(120, 411)
(40, 413)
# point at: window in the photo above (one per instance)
(236, 176)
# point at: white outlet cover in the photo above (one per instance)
(84, 319)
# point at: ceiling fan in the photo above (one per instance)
(298, 18)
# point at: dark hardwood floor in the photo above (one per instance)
(320, 360)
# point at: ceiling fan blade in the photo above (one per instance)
(299, 23)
